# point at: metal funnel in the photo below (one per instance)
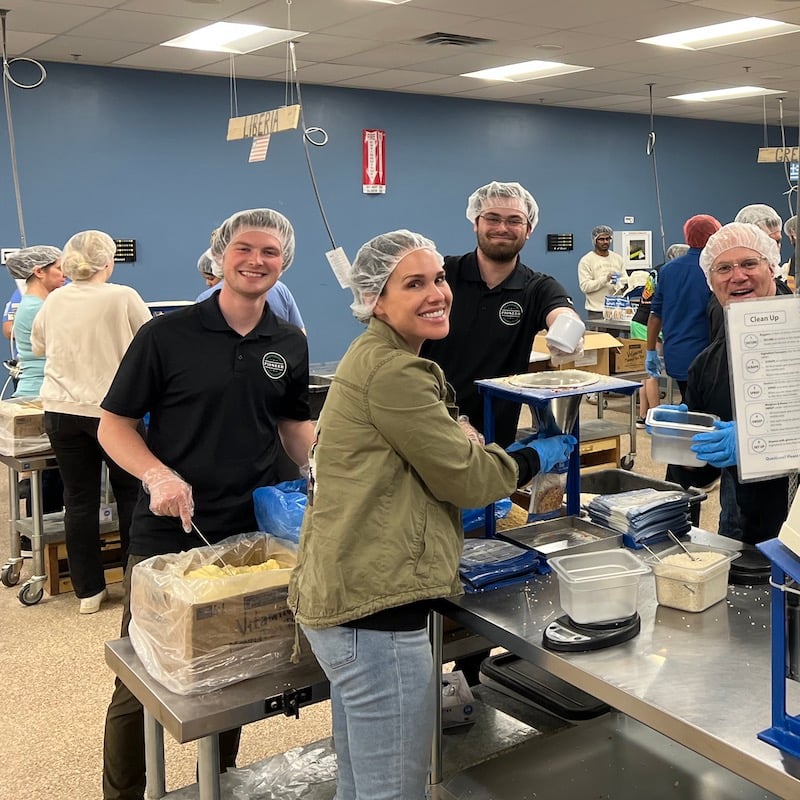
(559, 415)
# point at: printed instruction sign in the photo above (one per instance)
(764, 355)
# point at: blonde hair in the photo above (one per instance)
(86, 253)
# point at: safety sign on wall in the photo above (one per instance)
(764, 349)
(373, 161)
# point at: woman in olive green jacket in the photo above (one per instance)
(390, 469)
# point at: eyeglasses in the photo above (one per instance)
(747, 265)
(495, 221)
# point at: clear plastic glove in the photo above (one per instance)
(653, 363)
(170, 495)
(717, 447)
(472, 433)
(552, 450)
(559, 357)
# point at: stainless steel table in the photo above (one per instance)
(703, 679)
(204, 716)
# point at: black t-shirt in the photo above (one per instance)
(491, 334)
(214, 399)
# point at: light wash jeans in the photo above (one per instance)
(382, 701)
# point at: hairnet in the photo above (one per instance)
(766, 217)
(374, 263)
(676, 250)
(254, 219)
(601, 230)
(22, 263)
(86, 253)
(790, 226)
(698, 228)
(503, 195)
(205, 264)
(739, 234)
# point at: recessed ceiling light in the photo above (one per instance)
(734, 32)
(525, 71)
(733, 93)
(232, 37)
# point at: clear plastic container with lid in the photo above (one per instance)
(672, 430)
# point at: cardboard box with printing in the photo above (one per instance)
(629, 357)
(22, 427)
(595, 358)
(195, 632)
(458, 702)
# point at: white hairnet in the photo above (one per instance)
(766, 217)
(205, 264)
(86, 253)
(676, 250)
(601, 230)
(738, 234)
(254, 219)
(374, 263)
(503, 195)
(22, 263)
(790, 226)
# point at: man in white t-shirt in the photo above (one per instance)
(598, 271)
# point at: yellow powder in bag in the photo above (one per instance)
(213, 572)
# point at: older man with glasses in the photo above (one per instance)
(499, 304)
(739, 262)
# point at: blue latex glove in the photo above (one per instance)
(653, 364)
(553, 450)
(717, 447)
(526, 442)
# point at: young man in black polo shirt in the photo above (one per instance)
(499, 304)
(221, 380)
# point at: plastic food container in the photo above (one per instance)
(599, 587)
(691, 585)
(672, 432)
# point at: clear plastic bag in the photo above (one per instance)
(547, 495)
(22, 427)
(198, 634)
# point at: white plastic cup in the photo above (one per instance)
(614, 278)
(565, 332)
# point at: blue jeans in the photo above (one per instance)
(382, 701)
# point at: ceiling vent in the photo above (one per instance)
(452, 39)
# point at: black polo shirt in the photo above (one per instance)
(491, 333)
(214, 398)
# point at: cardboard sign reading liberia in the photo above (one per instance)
(264, 123)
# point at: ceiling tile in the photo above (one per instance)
(36, 17)
(138, 27)
(209, 12)
(91, 51)
(177, 59)
(401, 23)
(391, 56)
(392, 79)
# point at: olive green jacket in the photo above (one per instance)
(392, 469)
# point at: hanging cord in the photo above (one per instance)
(7, 79)
(764, 116)
(234, 97)
(651, 151)
(307, 139)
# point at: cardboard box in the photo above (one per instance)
(195, 635)
(596, 354)
(458, 702)
(22, 427)
(629, 357)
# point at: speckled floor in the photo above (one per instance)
(54, 685)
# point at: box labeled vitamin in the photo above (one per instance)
(22, 427)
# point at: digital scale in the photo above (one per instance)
(567, 636)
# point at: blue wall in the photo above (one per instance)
(143, 155)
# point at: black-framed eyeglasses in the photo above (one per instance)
(495, 221)
(746, 264)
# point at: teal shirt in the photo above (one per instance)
(32, 375)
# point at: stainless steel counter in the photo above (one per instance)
(700, 679)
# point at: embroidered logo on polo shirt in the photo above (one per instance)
(274, 365)
(510, 313)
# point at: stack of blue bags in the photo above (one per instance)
(642, 516)
(488, 564)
